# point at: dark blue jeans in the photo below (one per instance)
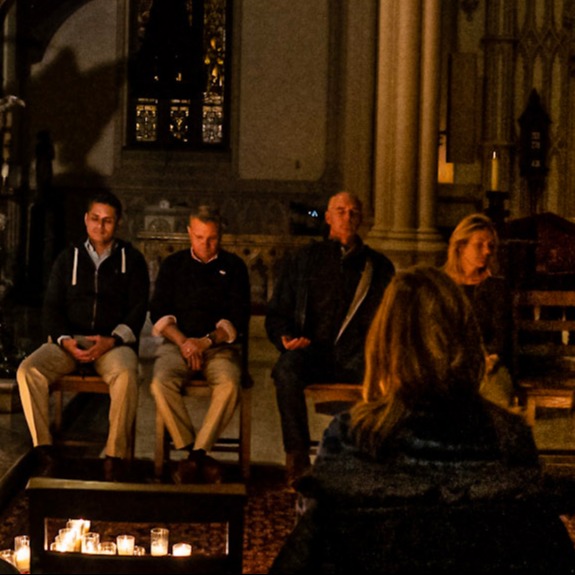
(292, 373)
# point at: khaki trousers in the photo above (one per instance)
(118, 368)
(222, 371)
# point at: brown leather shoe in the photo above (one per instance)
(297, 463)
(187, 471)
(115, 469)
(45, 461)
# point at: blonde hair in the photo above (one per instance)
(461, 236)
(423, 346)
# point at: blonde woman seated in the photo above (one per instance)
(425, 475)
(472, 264)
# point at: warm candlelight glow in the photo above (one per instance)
(495, 172)
(22, 553)
(125, 544)
(159, 541)
(181, 550)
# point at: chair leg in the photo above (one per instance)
(245, 432)
(58, 410)
(160, 454)
(132, 446)
(530, 410)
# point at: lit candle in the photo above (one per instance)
(159, 541)
(181, 550)
(125, 544)
(22, 553)
(495, 172)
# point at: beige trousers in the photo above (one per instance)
(118, 368)
(222, 371)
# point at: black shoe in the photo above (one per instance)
(211, 470)
(115, 469)
(45, 461)
(187, 471)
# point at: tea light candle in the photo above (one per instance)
(181, 550)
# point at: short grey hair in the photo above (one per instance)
(208, 214)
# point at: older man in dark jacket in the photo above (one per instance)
(318, 318)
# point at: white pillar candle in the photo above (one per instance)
(495, 172)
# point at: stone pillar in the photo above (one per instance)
(406, 133)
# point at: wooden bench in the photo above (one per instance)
(135, 503)
(544, 349)
(80, 383)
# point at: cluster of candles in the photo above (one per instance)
(20, 555)
(77, 537)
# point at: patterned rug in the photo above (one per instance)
(270, 516)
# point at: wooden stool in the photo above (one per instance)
(80, 383)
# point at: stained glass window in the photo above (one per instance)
(178, 73)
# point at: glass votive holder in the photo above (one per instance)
(22, 552)
(139, 550)
(57, 545)
(90, 542)
(69, 539)
(8, 555)
(107, 548)
(159, 537)
(81, 526)
(125, 544)
(181, 550)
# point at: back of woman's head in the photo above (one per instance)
(423, 348)
(424, 343)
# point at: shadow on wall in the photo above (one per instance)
(75, 107)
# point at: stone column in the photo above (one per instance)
(406, 134)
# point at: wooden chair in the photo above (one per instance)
(136, 503)
(544, 349)
(330, 398)
(79, 383)
(198, 387)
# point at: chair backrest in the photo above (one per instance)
(543, 333)
(134, 503)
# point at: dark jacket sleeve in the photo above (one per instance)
(54, 313)
(280, 317)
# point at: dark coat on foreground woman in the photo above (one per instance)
(456, 488)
